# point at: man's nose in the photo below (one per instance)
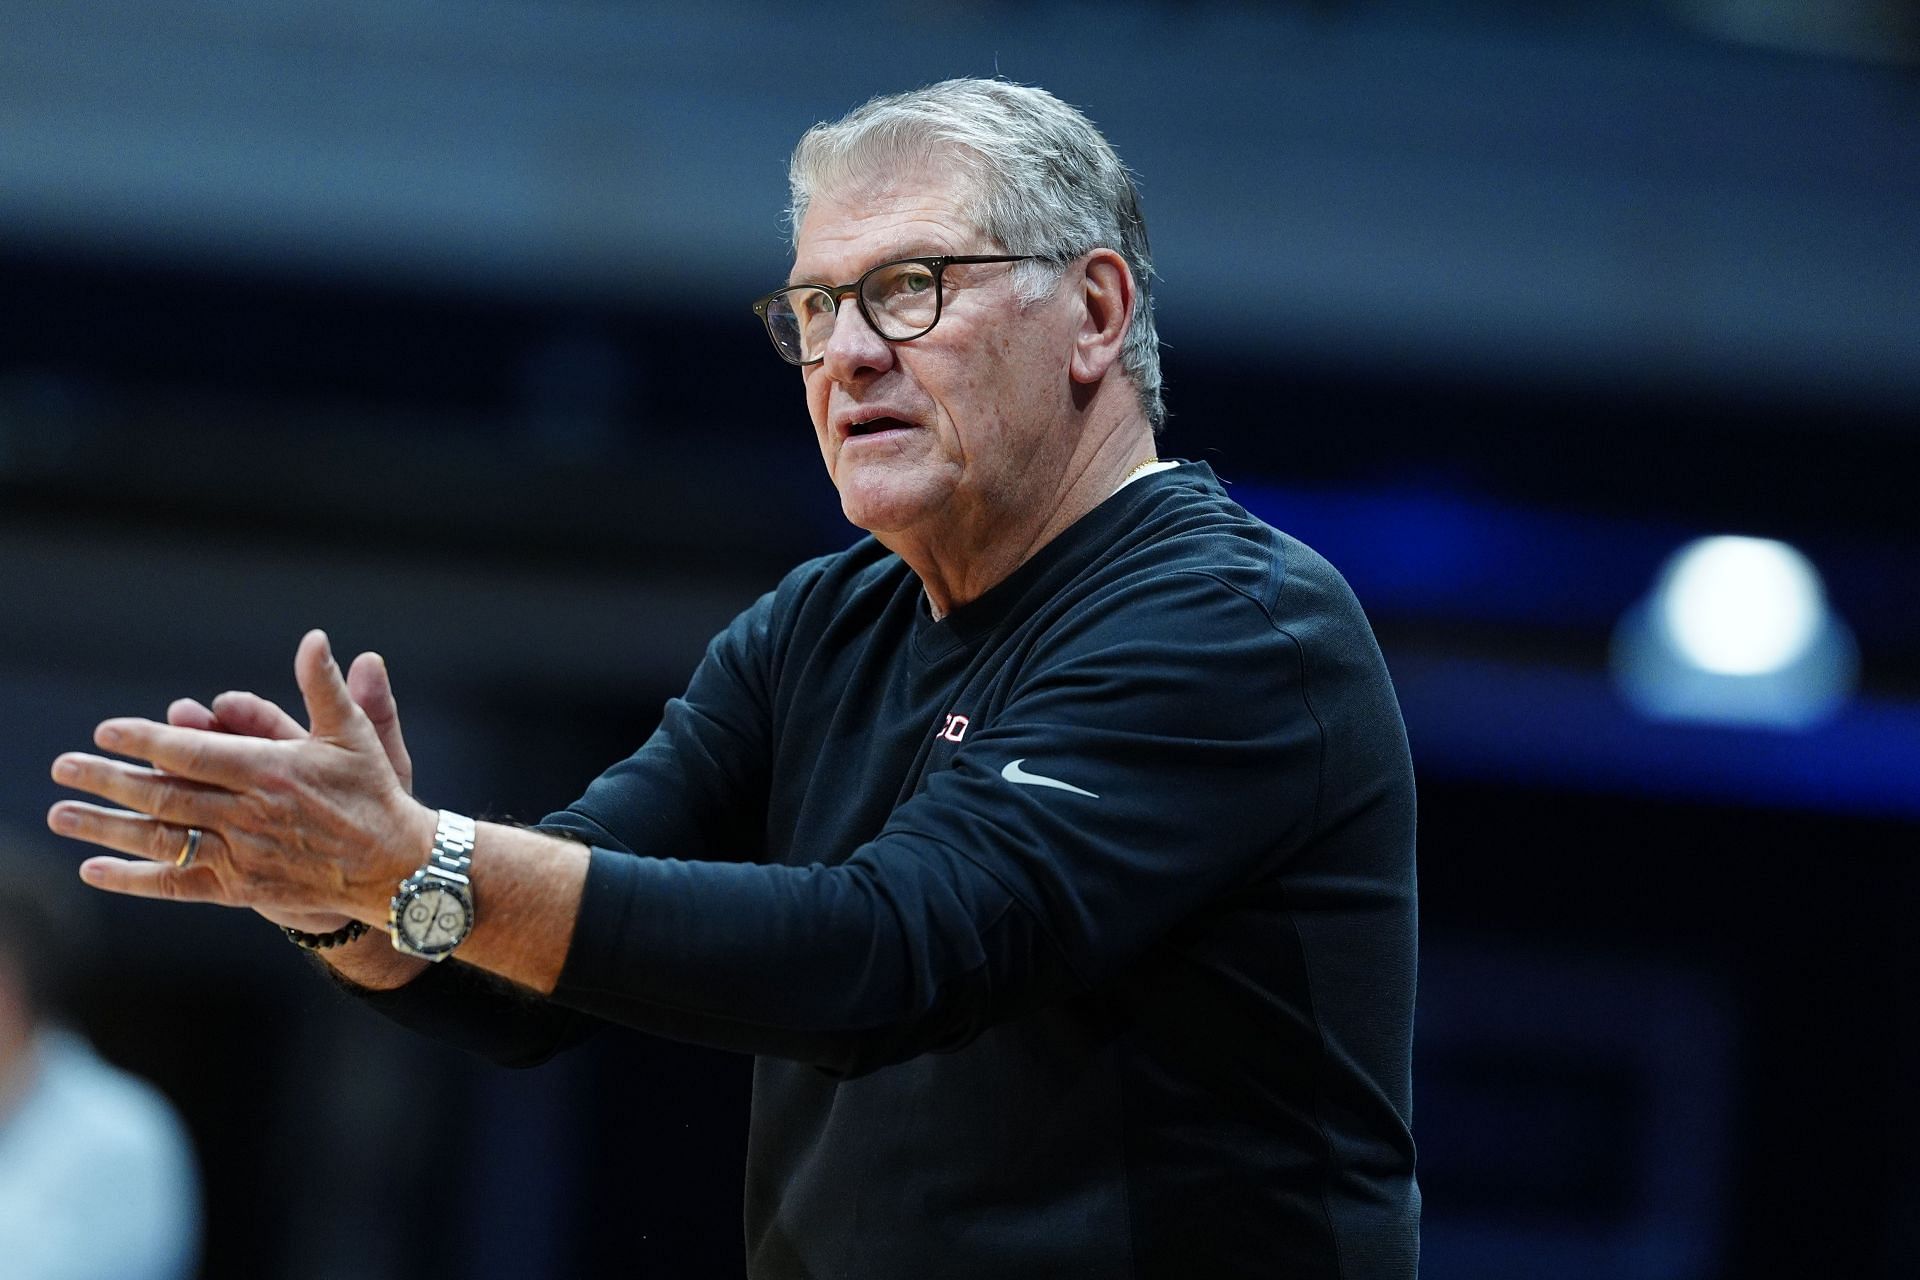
(854, 348)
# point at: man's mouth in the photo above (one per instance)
(877, 426)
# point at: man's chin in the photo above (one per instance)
(878, 520)
(885, 508)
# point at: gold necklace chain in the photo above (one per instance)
(1150, 462)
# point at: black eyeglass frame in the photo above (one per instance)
(937, 264)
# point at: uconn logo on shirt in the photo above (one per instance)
(953, 730)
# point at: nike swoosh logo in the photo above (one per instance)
(1014, 773)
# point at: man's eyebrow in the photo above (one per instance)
(894, 253)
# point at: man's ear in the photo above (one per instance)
(1106, 307)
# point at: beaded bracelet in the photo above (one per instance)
(348, 932)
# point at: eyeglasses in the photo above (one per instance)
(901, 300)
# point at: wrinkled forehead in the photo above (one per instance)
(893, 169)
(855, 225)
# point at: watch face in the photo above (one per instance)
(435, 919)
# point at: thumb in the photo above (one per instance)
(330, 708)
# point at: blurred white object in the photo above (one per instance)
(1736, 631)
(1741, 606)
(97, 1180)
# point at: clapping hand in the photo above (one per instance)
(309, 826)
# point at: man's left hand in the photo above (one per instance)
(320, 823)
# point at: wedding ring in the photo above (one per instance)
(188, 849)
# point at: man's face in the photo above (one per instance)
(969, 421)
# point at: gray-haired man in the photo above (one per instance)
(1051, 848)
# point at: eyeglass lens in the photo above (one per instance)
(902, 300)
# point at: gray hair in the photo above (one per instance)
(1040, 177)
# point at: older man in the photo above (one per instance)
(1052, 847)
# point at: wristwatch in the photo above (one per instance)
(432, 912)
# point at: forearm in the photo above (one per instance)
(847, 967)
(490, 997)
(526, 888)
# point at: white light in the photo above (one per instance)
(1741, 606)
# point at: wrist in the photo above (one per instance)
(432, 911)
(305, 921)
(370, 964)
(410, 844)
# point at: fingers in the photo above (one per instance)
(329, 704)
(185, 713)
(246, 714)
(372, 688)
(249, 715)
(159, 843)
(170, 799)
(279, 814)
(252, 716)
(217, 758)
(149, 880)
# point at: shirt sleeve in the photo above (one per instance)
(1161, 750)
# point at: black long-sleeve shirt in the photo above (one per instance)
(1074, 931)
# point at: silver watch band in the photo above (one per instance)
(452, 852)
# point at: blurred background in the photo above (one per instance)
(1584, 338)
